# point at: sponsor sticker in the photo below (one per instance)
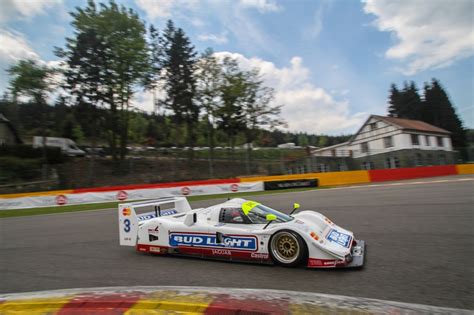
(152, 215)
(339, 238)
(126, 212)
(206, 240)
(154, 231)
(155, 249)
(259, 256)
(61, 200)
(122, 195)
(225, 252)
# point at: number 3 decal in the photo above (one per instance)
(126, 228)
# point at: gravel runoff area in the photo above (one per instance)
(419, 235)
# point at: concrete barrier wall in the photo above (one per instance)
(465, 168)
(411, 173)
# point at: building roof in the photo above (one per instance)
(4, 120)
(415, 125)
(334, 146)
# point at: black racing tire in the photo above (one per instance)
(288, 249)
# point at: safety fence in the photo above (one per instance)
(222, 186)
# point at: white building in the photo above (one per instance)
(392, 143)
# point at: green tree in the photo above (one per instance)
(439, 111)
(257, 110)
(178, 63)
(107, 59)
(405, 103)
(230, 115)
(208, 95)
(30, 79)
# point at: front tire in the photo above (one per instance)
(288, 249)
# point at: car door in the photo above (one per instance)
(234, 235)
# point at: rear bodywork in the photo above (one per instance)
(170, 226)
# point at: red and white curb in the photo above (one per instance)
(203, 300)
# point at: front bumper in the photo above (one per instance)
(358, 255)
(353, 260)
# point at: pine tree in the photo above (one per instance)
(439, 111)
(394, 101)
(405, 103)
(178, 61)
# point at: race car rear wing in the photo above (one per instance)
(129, 220)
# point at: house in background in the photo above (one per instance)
(8, 134)
(388, 142)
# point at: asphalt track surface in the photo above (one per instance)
(420, 248)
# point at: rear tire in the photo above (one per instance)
(288, 249)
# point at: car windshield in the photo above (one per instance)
(258, 215)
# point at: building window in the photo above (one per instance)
(367, 165)
(373, 126)
(341, 167)
(323, 168)
(392, 162)
(442, 159)
(364, 147)
(388, 142)
(427, 139)
(418, 159)
(415, 140)
(440, 141)
(333, 152)
(429, 159)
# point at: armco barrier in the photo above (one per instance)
(411, 173)
(465, 169)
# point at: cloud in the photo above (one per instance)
(163, 8)
(215, 38)
(431, 34)
(24, 8)
(15, 47)
(305, 107)
(261, 5)
(316, 26)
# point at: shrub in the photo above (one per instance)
(13, 168)
(24, 151)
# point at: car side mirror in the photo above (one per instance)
(271, 217)
(295, 207)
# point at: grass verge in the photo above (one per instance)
(106, 205)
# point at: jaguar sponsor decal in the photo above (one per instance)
(209, 240)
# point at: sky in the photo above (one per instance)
(331, 63)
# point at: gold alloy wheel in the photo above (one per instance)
(285, 247)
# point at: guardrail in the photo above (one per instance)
(220, 186)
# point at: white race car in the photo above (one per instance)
(238, 230)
